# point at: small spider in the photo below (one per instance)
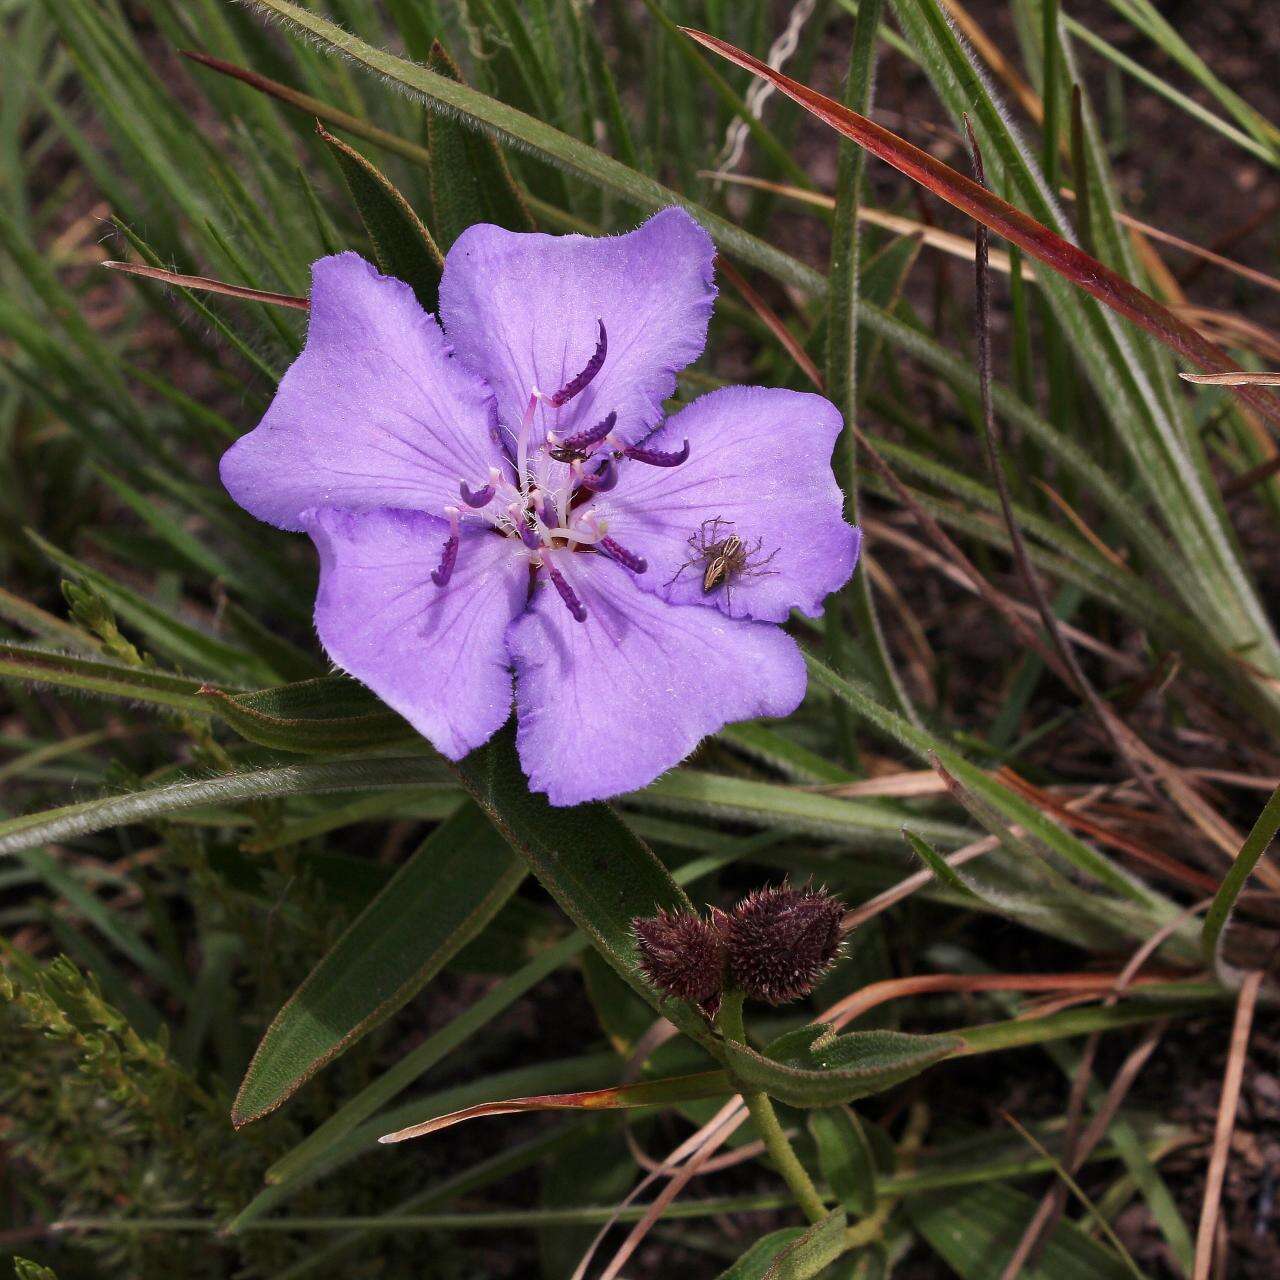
(724, 558)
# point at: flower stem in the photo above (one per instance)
(765, 1118)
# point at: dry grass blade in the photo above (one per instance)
(882, 531)
(701, 1143)
(1077, 1151)
(1075, 1154)
(1061, 256)
(854, 1006)
(1227, 1106)
(206, 285)
(1103, 834)
(684, 1088)
(1232, 379)
(1103, 1225)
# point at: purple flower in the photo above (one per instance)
(503, 496)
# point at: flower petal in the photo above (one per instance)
(523, 311)
(434, 654)
(759, 463)
(606, 705)
(373, 413)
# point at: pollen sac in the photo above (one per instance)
(781, 941)
(682, 955)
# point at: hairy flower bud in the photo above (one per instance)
(682, 955)
(780, 941)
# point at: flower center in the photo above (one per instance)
(546, 508)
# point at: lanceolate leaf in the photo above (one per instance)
(357, 774)
(402, 246)
(590, 862)
(811, 1070)
(807, 1255)
(976, 1229)
(845, 1157)
(99, 676)
(321, 716)
(1018, 228)
(437, 902)
(1255, 845)
(470, 180)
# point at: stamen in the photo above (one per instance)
(567, 593)
(449, 556)
(603, 478)
(655, 457)
(583, 439)
(583, 380)
(518, 516)
(477, 497)
(628, 559)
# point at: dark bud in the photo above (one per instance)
(780, 941)
(682, 955)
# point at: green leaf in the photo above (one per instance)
(437, 902)
(185, 645)
(100, 676)
(510, 125)
(941, 868)
(402, 246)
(845, 1158)
(149, 803)
(591, 863)
(1255, 845)
(806, 1069)
(755, 1263)
(975, 1231)
(805, 1256)
(328, 714)
(765, 804)
(470, 180)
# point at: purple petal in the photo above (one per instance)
(524, 311)
(760, 463)
(373, 413)
(606, 705)
(435, 654)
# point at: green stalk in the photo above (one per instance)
(765, 1119)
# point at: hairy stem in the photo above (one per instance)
(766, 1121)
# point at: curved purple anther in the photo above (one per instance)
(628, 559)
(448, 558)
(581, 382)
(567, 594)
(529, 536)
(655, 457)
(476, 497)
(603, 478)
(592, 435)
